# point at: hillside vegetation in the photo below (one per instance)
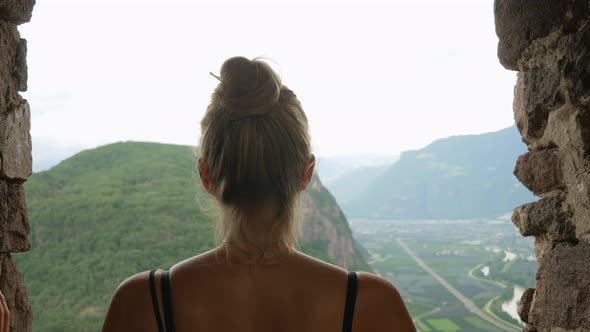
(110, 212)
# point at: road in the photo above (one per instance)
(467, 302)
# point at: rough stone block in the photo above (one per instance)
(547, 216)
(583, 120)
(529, 328)
(554, 76)
(562, 293)
(540, 171)
(15, 144)
(576, 70)
(537, 217)
(537, 95)
(524, 307)
(14, 222)
(542, 245)
(574, 49)
(518, 107)
(541, 96)
(17, 298)
(9, 44)
(519, 22)
(16, 11)
(20, 69)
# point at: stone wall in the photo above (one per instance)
(548, 43)
(15, 158)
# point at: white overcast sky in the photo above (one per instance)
(374, 77)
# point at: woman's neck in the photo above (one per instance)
(243, 252)
(259, 238)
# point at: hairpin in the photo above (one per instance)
(217, 77)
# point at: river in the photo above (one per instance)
(485, 270)
(510, 306)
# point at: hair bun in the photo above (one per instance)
(248, 87)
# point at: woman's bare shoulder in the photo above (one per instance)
(380, 306)
(377, 288)
(130, 304)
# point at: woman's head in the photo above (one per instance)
(255, 149)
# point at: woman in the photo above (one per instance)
(255, 160)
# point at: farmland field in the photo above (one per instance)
(483, 260)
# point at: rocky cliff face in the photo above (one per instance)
(326, 229)
(15, 157)
(548, 43)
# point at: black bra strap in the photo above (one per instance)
(168, 319)
(155, 301)
(350, 302)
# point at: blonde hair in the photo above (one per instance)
(255, 142)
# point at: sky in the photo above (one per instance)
(374, 76)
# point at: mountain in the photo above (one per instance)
(458, 177)
(107, 213)
(351, 185)
(331, 168)
(325, 228)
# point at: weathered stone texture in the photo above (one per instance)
(555, 83)
(583, 122)
(16, 11)
(562, 295)
(21, 71)
(16, 295)
(10, 42)
(567, 127)
(519, 22)
(529, 328)
(548, 41)
(548, 215)
(15, 158)
(540, 171)
(540, 97)
(14, 223)
(542, 245)
(524, 307)
(15, 143)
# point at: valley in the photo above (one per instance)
(454, 275)
(93, 215)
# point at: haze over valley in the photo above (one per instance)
(434, 221)
(468, 176)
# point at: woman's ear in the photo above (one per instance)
(308, 172)
(205, 176)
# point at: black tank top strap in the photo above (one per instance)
(155, 301)
(350, 302)
(167, 301)
(351, 291)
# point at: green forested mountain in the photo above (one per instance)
(466, 176)
(111, 212)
